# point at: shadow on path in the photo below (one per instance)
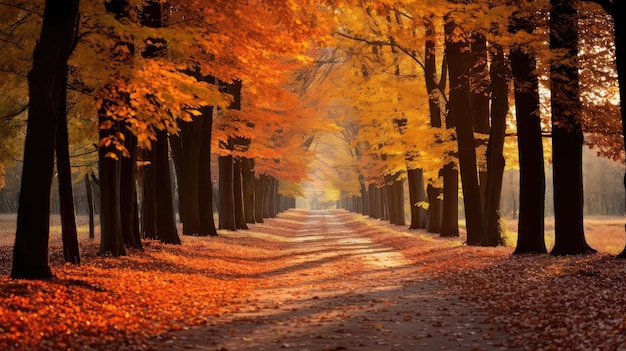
(334, 289)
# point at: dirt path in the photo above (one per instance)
(337, 290)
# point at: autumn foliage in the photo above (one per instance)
(137, 302)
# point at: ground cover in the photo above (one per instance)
(313, 281)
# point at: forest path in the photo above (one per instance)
(335, 289)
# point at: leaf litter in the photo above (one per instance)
(338, 285)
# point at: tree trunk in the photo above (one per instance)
(90, 201)
(191, 151)
(46, 83)
(111, 240)
(433, 194)
(450, 208)
(417, 196)
(373, 201)
(259, 197)
(491, 234)
(164, 202)
(240, 217)
(457, 55)
(148, 208)
(479, 84)
(435, 208)
(365, 208)
(71, 252)
(272, 197)
(204, 197)
(618, 8)
(567, 137)
(248, 180)
(530, 231)
(128, 193)
(227, 197)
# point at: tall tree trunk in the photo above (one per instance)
(530, 231)
(71, 252)
(240, 217)
(479, 84)
(164, 202)
(46, 83)
(491, 234)
(457, 54)
(128, 193)
(272, 197)
(374, 207)
(450, 208)
(248, 180)
(567, 137)
(617, 8)
(204, 197)
(149, 191)
(227, 196)
(435, 208)
(417, 196)
(259, 197)
(90, 206)
(365, 208)
(191, 152)
(111, 240)
(436, 205)
(267, 198)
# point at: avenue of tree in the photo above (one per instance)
(138, 97)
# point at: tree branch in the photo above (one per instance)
(19, 6)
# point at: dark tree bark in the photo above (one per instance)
(205, 186)
(567, 136)
(227, 195)
(90, 207)
(266, 182)
(71, 251)
(272, 197)
(240, 217)
(149, 190)
(530, 231)
(159, 221)
(373, 201)
(117, 194)
(479, 100)
(128, 193)
(450, 209)
(109, 170)
(46, 87)
(365, 208)
(619, 7)
(479, 84)
(491, 234)
(259, 196)
(384, 203)
(248, 180)
(158, 212)
(615, 9)
(395, 199)
(457, 55)
(435, 208)
(191, 153)
(417, 196)
(165, 219)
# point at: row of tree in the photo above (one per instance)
(412, 120)
(158, 78)
(428, 101)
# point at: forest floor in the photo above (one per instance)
(318, 280)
